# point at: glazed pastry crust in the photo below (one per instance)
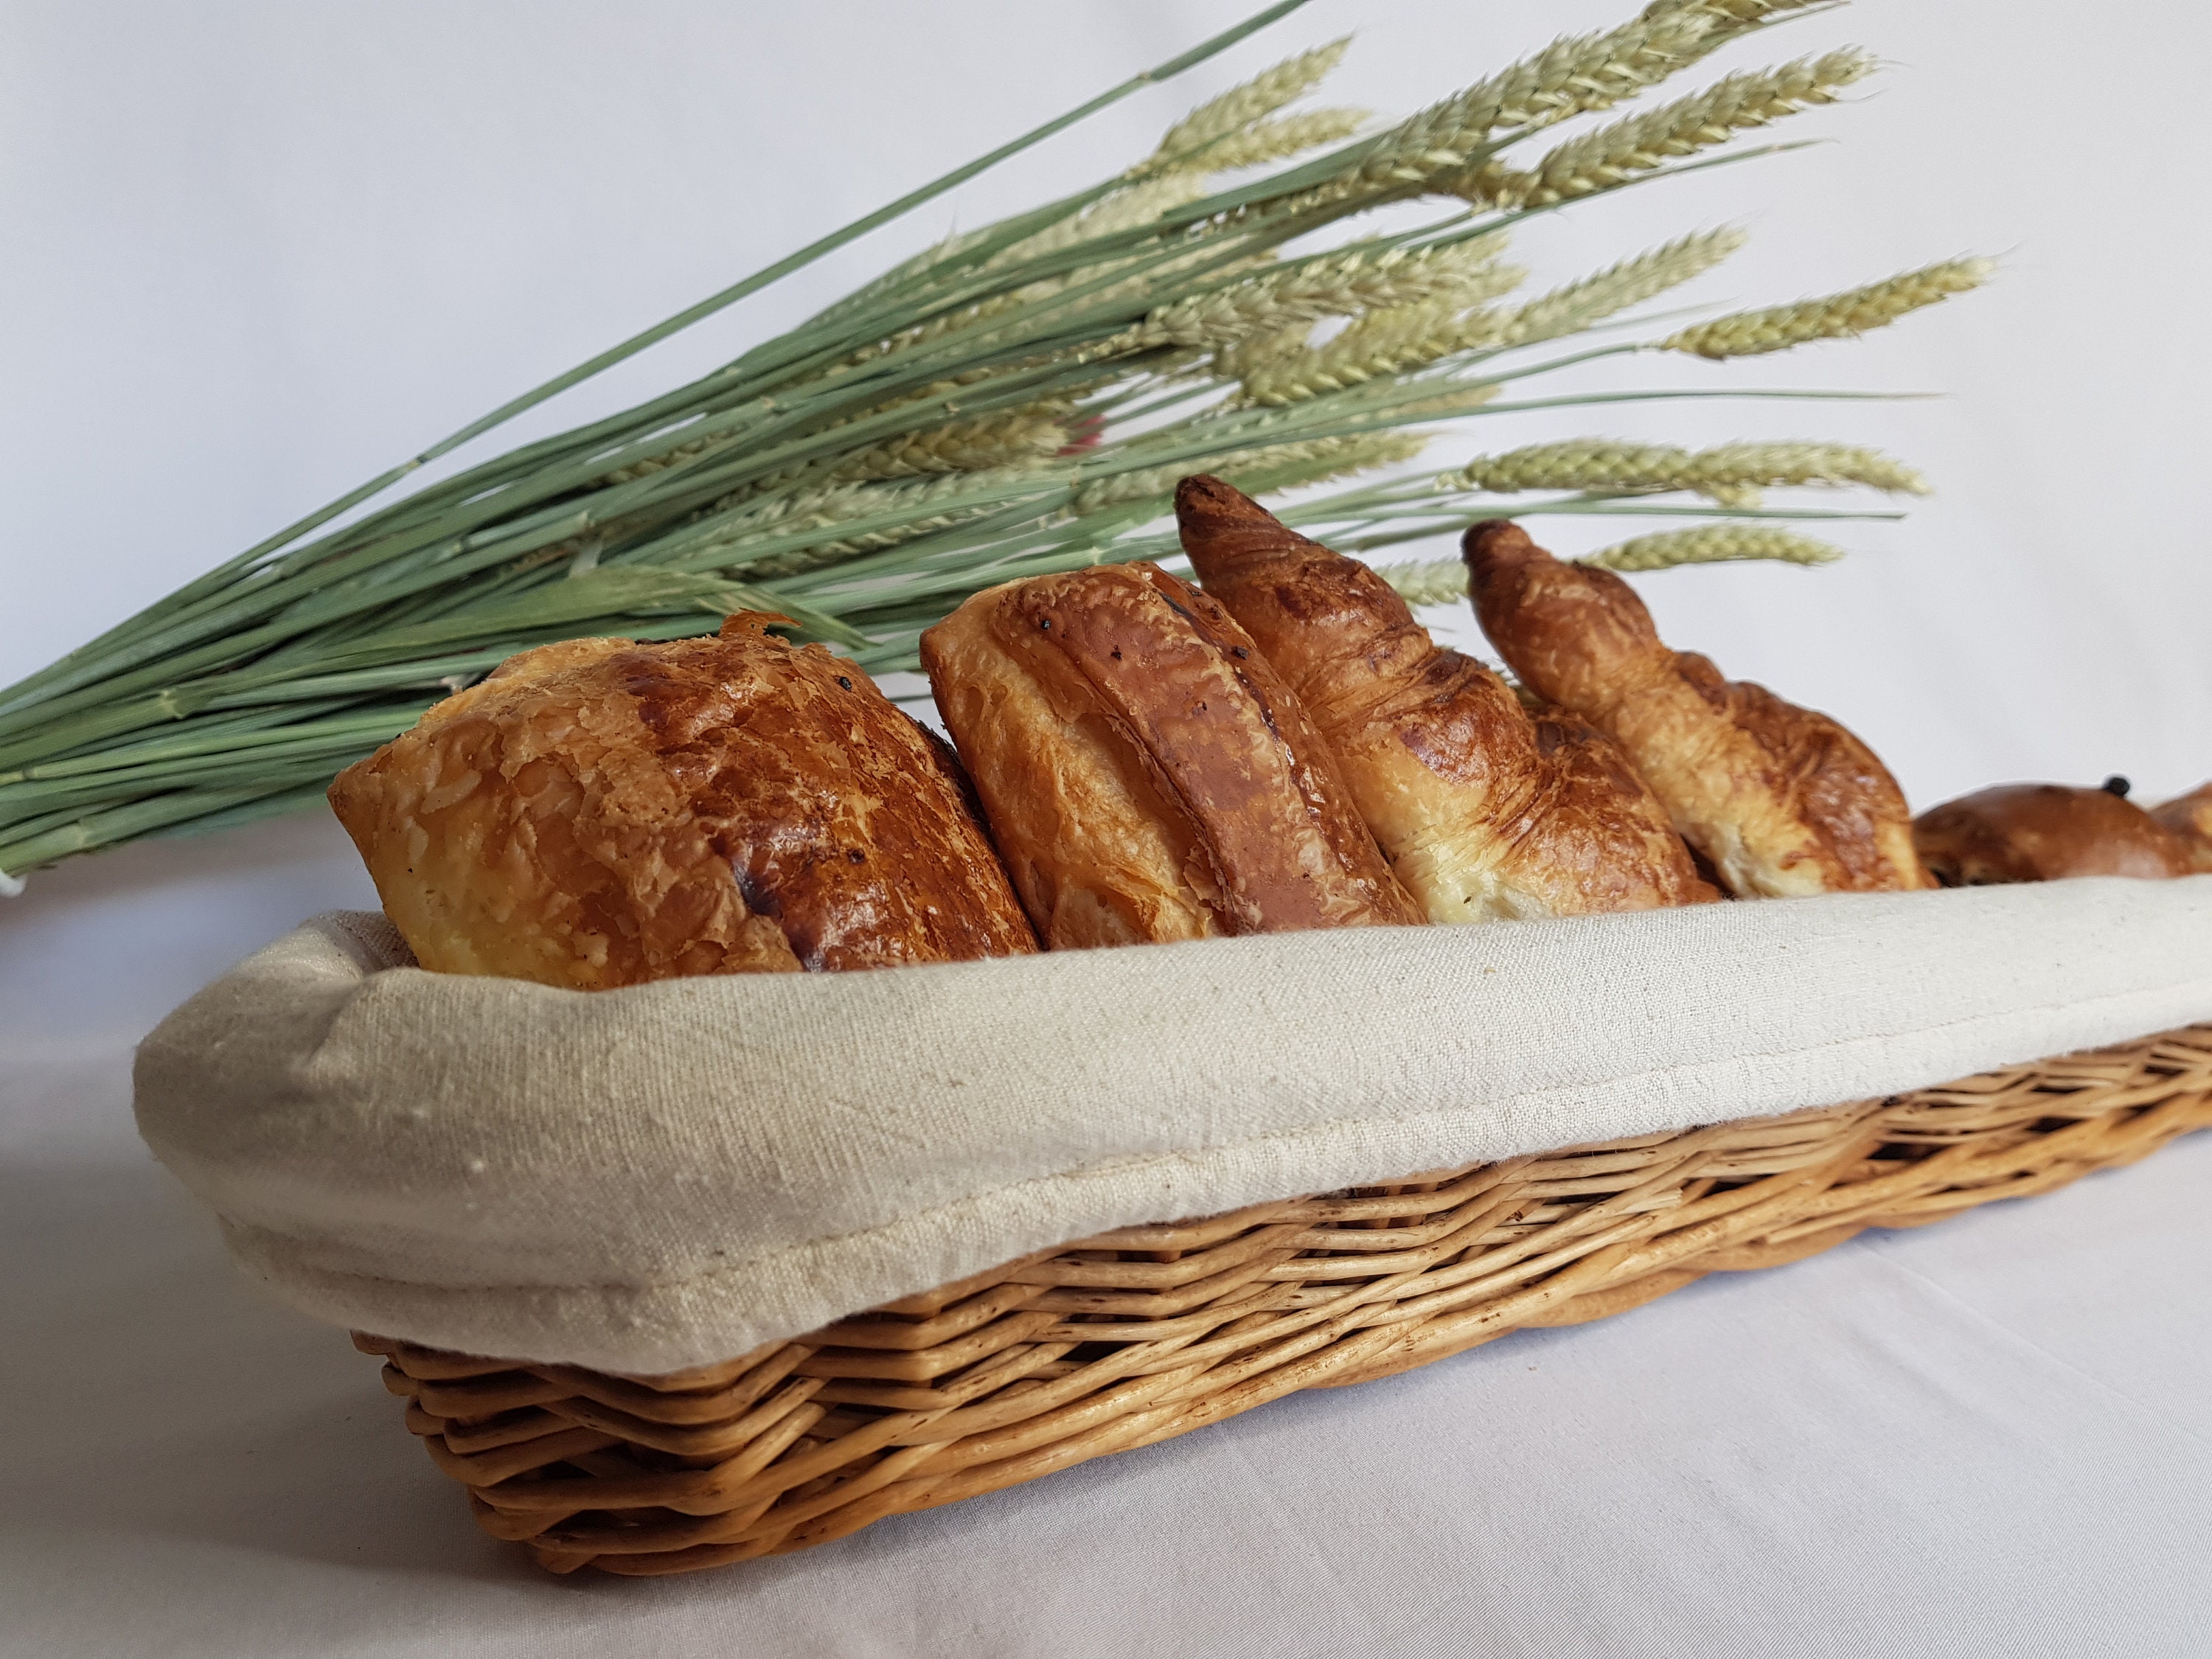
(2190, 818)
(1486, 811)
(600, 813)
(2044, 832)
(1147, 775)
(1781, 801)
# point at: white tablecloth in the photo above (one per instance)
(290, 243)
(1984, 1437)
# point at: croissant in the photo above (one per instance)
(2045, 832)
(599, 813)
(1147, 775)
(2190, 817)
(1485, 812)
(1779, 800)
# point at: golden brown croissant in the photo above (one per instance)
(2045, 832)
(1485, 812)
(1145, 773)
(600, 813)
(2190, 817)
(1779, 799)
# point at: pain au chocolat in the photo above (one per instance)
(1780, 800)
(1485, 810)
(2046, 832)
(601, 812)
(1147, 775)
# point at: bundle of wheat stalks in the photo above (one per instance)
(1016, 400)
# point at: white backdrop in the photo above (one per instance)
(261, 251)
(258, 251)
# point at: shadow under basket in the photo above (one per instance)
(1150, 1331)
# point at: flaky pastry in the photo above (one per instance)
(601, 812)
(1486, 811)
(1780, 800)
(1147, 775)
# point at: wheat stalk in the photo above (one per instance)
(1714, 543)
(1015, 399)
(961, 446)
(1186, 143)
(1139, 203)
(1571, 75)
(1272, 141)
(1766, 465)
(1388, 340)
(1836, 316)
(1613, 154)
(1435, 581)
(1578, 304)
(894, 512)
(1314, 461)
(1743, 14)
(1725, 471)
(1334, 285)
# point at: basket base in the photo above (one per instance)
(1148, 1332)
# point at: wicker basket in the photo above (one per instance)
(1150, 1331)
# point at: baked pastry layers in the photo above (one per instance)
(1486, 812)
(2190, 817)
(1145, 773)
(600, 813)
(1780, 800)
(2045, 832)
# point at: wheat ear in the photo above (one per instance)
(1577, 306)
(1440, 582)
(1241, 105)
(1387, 341)
(1729, 473)
(960, 446)
(1315, 460)
(1714, 543)
(1572, 75)
(1639, 143)
(1272, 141)
(1836, 316)
(1338, 285)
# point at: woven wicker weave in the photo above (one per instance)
(1150, 1331)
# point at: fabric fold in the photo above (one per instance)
(668, 1175)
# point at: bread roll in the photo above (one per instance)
(2190, 818)
(1780, 800)
(600, 813)
(1147, 775)
(2045, 832)
(1485, 811)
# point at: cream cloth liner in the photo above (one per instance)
(646, 1179)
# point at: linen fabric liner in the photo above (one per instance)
(673, 1173)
